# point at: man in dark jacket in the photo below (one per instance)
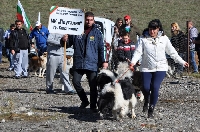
(19, 44)
(89, 51)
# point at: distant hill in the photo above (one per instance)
(141, 11)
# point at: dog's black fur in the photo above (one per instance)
(106, 103)
(127, 88)
(103, 79)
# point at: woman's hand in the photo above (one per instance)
(131, 66)
(186, 64)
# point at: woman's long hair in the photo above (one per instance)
(177, 30)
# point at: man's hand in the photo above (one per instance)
(131, 66)
(65, 37)
(12, 52)
(105, 65)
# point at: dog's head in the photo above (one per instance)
(31, 55)
(43, 57)
(104, 77)
(44, 54)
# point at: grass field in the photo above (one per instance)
(141, 11)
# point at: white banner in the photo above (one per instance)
(64, 20)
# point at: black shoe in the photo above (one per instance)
(150, 111)
(94, 110)
(50, 92)
(17, 77)
(84, 105)
(25, 76)
(145, 107)
(71, 92)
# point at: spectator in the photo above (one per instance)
(125, 48)
(19, 44)
(129, 28)
(88, 53)
(197, 46)
(193, 33)
(40, 33)
(152, 48)
(1, 43)
(178, 42)
(116, 38)
(7, 46)
(55, 59)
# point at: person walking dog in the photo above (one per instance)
(152, 48)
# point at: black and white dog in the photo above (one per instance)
(117, 96)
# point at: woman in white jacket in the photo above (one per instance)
(152, 48)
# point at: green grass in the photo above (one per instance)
(141, 11)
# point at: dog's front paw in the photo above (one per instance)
(36, 74)
(133, 116)
(40, 76)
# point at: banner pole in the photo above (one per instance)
(65, 59)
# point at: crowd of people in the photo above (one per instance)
(148, 49)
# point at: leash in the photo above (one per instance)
(122, 75)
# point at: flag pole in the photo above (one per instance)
(188, 43)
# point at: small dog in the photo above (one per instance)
(38, 63)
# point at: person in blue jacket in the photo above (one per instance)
(40, 33)
(89, 52)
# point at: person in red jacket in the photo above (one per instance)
(125, 48)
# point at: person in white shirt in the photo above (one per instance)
(152, 47)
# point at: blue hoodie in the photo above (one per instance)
(40, 36)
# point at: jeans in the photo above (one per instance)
(192, 60)
(41, 49)
(91, 76)
(151, 85)
(10, 58)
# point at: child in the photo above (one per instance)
(32, 49)
(125, 48)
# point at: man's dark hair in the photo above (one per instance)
(12, 25)
(89, 14)
(18, 21)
